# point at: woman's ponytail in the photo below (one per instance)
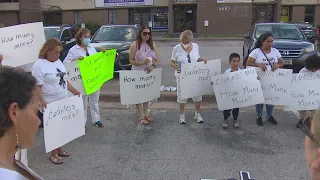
(261, 39)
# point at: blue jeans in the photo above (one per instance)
(259, 109)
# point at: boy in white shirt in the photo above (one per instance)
(312, 65)
(234, 61)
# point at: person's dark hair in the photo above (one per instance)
(233, 55)
(261, 39)
(313, 62)
(138, 38)
(80, 33)
(16, 86)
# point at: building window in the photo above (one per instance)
(112, 16)
(159, 18)
(76, 17)
(309, 14)
(8, 1)
(140, 16)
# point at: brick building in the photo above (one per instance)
(165, 16)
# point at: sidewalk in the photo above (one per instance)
(110, 92)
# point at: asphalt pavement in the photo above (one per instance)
(166, 150)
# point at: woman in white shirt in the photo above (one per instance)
(267, 58)
(18, 121)
(52, 84)
(77, 52)
(183, 53)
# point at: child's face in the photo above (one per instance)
(235, 63)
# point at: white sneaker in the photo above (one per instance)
(182, 119)
(198, 117)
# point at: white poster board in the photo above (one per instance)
(276, 86)
(195, 79)
(305, 93)
(237, 89)
(63, 121)
(20, 44)
(138, 87)
(74, 77)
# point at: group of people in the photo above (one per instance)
(22, 93)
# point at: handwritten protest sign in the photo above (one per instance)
(97, 69)
(276, 85)
(195, 79)
(63, 122)
(237, 89)
(74, 77)
(20, 44)
(305, 94)
(138, 87)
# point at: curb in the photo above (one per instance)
(197, 39)
(165, 96)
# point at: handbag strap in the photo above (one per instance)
(266, 57)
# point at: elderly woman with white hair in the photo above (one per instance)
(186, 52)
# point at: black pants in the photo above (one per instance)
(235, 113)
(40, 116)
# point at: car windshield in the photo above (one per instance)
(115, 33)
(52, 33)
(280, 31)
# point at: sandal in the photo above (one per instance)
(144, 121)
(63, 153)
(55, 160)
(148, 118)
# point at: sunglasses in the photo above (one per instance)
(306, 126)
(146, 33)
(189, 60)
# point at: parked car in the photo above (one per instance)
(308, 29)
(118, 37)
(66, 34)
(291, 42)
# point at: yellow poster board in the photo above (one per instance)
(97, 69)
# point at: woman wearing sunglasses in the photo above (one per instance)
(144, 56)
(186, 52)
(77, 52)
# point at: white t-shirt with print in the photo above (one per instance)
(182, 55)
(273, 57)
(305, 70)
(229, 70)
(53, 78)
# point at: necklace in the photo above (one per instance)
(6, 165)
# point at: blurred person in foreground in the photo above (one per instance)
(312, 144)
(18, 121)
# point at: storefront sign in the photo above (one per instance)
(285, 12)
(112, 3)
(234, 1)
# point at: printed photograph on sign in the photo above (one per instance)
(305, 94)
(276, 85)
(74, 77)
(195, 79)
(63, 122)
(237, 89)
(20, 44)
(138, 87)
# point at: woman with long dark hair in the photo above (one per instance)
(144, 56)
(267, 58)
